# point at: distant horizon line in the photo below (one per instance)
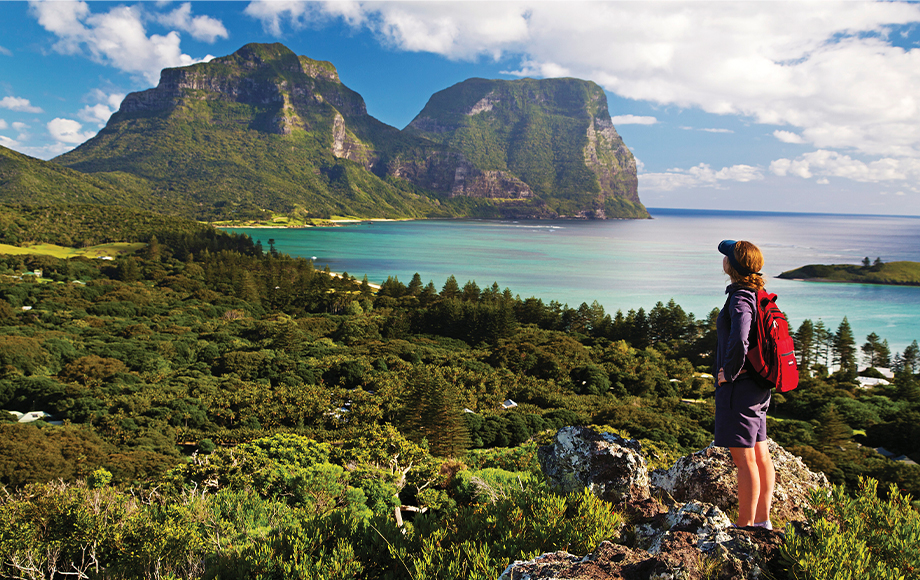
(764, 212)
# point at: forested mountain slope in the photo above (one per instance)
(265, 129)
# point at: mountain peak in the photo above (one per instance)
(275, 58)
(554, 134)
(266, 128)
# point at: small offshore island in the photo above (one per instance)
(891, 273)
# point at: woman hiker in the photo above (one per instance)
(741, 403)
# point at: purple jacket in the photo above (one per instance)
(733, 331)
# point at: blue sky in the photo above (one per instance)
(788, 106)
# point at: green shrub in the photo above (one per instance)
(856, 538)
(484, 485)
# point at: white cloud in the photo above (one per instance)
(68, 131)
(106, 105)
(700, 176)
(19, 104)
(633, 120)
(825, 69)
(202, 28)
(8, 143)
(97, 113)
(823, 164)
(21, 128)
(788, 137)
(45, 151)
(3, 124)
(5, 51)
(115, 38)
(705, 130)
(448, 29)
(273, 14)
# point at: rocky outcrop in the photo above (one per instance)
(608, 465)
(745, 553)
(236, 78)
(555, 135)
(710, 474)
(451, 173)
(678, 524)
(607, 156)
(266, 128)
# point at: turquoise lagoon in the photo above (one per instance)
(628, 264)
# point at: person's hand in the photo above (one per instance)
(721, 378)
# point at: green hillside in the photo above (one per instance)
(227, 412)
(24, 179)
(899, 273)
(265, 131)
(261, 128)
(86, 225)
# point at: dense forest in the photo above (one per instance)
(218, 409)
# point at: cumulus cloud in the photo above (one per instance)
(68, 131)
(106, 105)
(115, 38)
(823, 164)
(788, 137)
(19, 104)
(448, 29)
(700, 176)
(633, 120)
(202, 28)
(825, 69)
(3, 124)
(8, 143)
(21, 130)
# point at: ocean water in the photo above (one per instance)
(628, 264)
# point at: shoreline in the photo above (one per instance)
(832, 281)
(331, 223)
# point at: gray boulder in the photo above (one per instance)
(710, 476)
(611, 467)
(680, 530)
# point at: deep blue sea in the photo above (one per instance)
(627, 264)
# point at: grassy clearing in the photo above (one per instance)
(112, 250)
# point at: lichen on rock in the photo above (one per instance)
(680, 530)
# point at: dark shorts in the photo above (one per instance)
(741, 413)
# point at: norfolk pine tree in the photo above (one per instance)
(845, 347)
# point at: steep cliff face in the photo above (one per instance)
(262, 127)
(284, 92)
(265, 128)
(554, 135)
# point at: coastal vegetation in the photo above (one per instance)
(877, 272)
(216, 408)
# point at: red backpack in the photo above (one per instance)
(772, 354)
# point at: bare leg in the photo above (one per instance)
(748, 483)
(767, 481)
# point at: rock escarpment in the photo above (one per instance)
(678, 527)
(265, 128)
(555, 135)
(262, 127)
